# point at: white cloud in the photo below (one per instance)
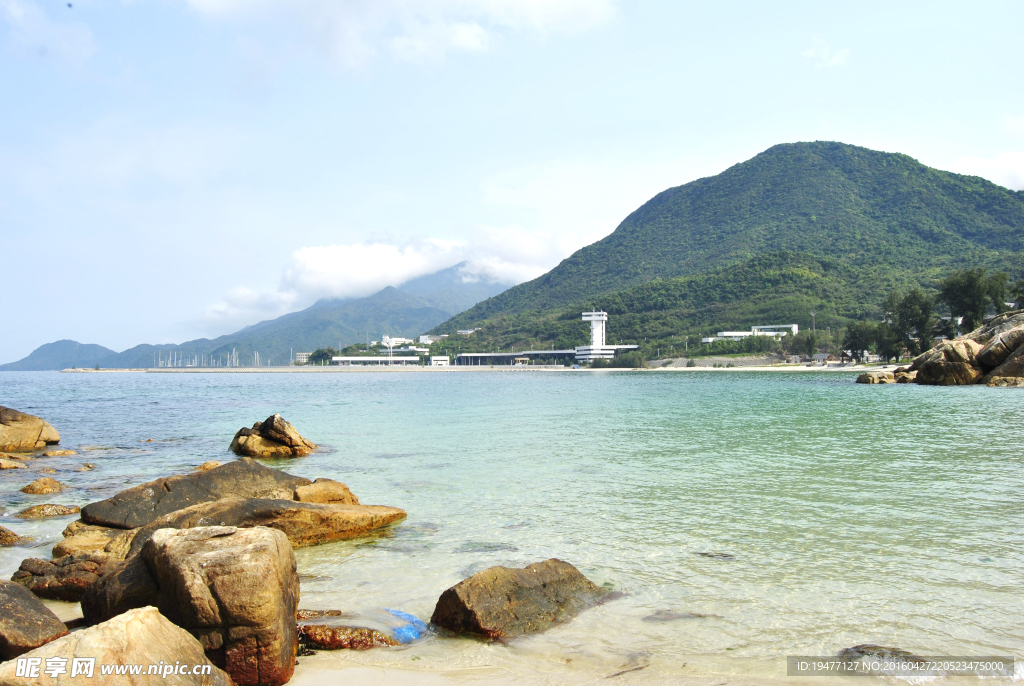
(823, 55)
(1006, 169)
(355, 31)
(33, 32)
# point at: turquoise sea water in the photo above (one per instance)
(802, 512)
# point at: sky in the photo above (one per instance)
(173, 169)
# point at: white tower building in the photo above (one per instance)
(598, 348)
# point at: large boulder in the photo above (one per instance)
(129, 586)
(66, 578)
(876, 377)
(20, 432)
(500, 602)
(1000, 347)
(304, 524)
(138, 506)
(950, 363)
(139, 637)
(44, 486)
(25, 623)
(273, 437)
(236, 590)
(1010, 372)
(996, 326)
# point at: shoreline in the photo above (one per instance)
(471, 368)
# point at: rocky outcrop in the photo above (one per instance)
(950, 363)
(9, 538)
(139, 637)
(501, 602)
(236, 590)
(12, 464)
(904, 375)
(25, 623)
(304, 524)
(48, 510)
(66, 578)
(138, 506)
(326, 637)
(1010, 372)
(44, 486)
(876, 377)
(20, 432)
(273, 437)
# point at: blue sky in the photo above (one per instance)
(180, 168)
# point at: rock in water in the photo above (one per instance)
(1000, 347)
(207, 466)
(501, 602)
(905, 376)
(44, 486)
(9, 538)
(20, 432)
(304, 524)
(950, 363)
(11, 464)
(876, 377)
(236, 590)
(326, 491)
(138, 506)
(139, 637)
(49, 510)
(25, 623)
(1010, 372)
(273, 437)
(324, 637)
(59, 453)
(65, 578)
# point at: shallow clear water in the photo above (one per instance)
(805, 513)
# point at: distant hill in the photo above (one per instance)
(410, 310)
(881, 220)
(60, 355)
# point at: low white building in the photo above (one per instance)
(380, 360)
(439, 361)
(427, 339)
(302, 358)
(775, 330)
(466, 332)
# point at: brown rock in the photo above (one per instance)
(905, 377)
(11, 464)
(324, 637)
(59, 453)
(129, 586)
(25, 623)
(318, 614)
(1010, 372)
(207, 466)
(80, 537)
(40, 511)
(20, 432)
(66, 578)
(138, 506)
(950, 363)
(87, 467)
(995, 326)
(501, 602)
(44, 486)
(138, 637)
(1000, 347)
(273, 437)
(46, 470)
(236, 590)
(876, 377)
(304, 524)
(10, 456)
(326, 491)
(8, 538)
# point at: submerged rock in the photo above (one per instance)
(48, 510)
(207, 466)
(66, 578)
(59, 453)
(304, 524)
(324, 637)
(20, 432)
(273, 437)
(318, 614)
(671, 616)
(138, 637)
(501, 602)
(25, 623)
(44, 486)
(138, 506)
(9, 538)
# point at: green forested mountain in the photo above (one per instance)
(871, 220)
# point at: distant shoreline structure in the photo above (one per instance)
(465, 369)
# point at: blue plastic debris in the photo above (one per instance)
(411, 630)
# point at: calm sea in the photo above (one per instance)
(798, 513)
